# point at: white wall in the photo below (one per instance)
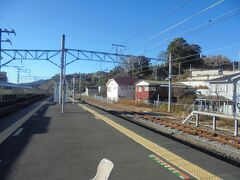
(229, 72)
(56, 93)
(195, 83)
(112, 90)
(224, 89)
(196, 73)
(203, 78)
(142, 83)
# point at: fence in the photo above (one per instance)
(177, 107)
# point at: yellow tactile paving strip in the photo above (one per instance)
(176, 160)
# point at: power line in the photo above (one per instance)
(191, 60)
(185, 20)
(156, 22)
(179, 23)
(17, 42)
(6, 32)
(226, 47)
(202, 26)
(5, 23)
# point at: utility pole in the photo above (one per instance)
(18, 75)
(60, 88)
(169, 82)
(190, 69)
(235, 101)
(73, 89)
(8, 32)
(118, 46)
(80, 85)
(239, 62)
(179, 69)
(62, 76)
(35, 78)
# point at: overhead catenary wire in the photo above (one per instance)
(202, 26)
(5, 23)
(177, 24)
(185, 20)
(195, 59)
(213, 50)
(191, 60)
(156, 22)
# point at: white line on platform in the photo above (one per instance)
(18, 132)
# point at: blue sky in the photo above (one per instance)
(96, 25)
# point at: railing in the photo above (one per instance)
(212, 109)
(189, 110)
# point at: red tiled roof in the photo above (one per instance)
(125, 80)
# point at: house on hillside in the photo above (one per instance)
(148, 90)
(226, 90)
(120, 87)
(224, 86)
(205, 75)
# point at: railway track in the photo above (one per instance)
(234, 142)
(175, 124)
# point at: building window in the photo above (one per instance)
(146, 88)
(221, 88)
(109, 89)
(139, 89)
(152, 88)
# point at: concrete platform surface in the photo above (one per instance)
(54, 145)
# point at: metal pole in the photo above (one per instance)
(0, 50)
(73, 93)
(169, 82)
(214, 123)
(197, 120)
(18, 75)
(191, 71)
(60, 87)
(62, 72)
(235, 108)
(239, 62)
(80, 85)
(179, 69)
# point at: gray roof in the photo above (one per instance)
(164, 83)
(214, 98)
(226, 78)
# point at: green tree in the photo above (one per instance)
(184, 53)
(3, 76)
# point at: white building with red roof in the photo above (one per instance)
(120, 87)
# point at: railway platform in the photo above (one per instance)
(40, 142)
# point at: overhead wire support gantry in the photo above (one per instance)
(67, 56)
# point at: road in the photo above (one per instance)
(54, 145)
